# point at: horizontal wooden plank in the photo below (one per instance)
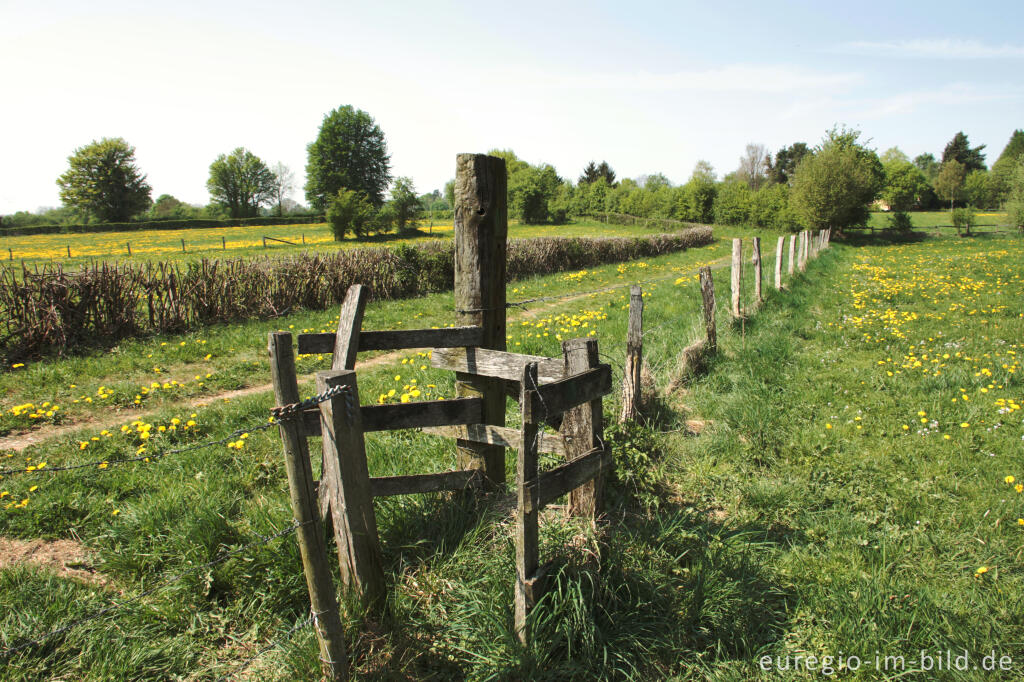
(396, 339)
(408, 415)
(559, 481)
(556, 398)
(496, 363)
(498, 435)
(383, 486)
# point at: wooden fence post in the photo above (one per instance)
(756, 260)
(481, 235)
(183, 246)
(350, 324)
(129, 245)
(778, 262)
(69, 250)
(583, 427)
(310, 532)
(802, 264)
(527, 531)
(345, 470)
(223, 244)
(737, 276)
(707, 293)
(631, 397)
(792, 248)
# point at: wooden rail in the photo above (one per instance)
(395, 339)
(407, 415)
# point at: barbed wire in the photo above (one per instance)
(220, 558)
(280, 414)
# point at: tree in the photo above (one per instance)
(1015, 196)
(350, 152)
(959, 149)
(905, 184)
(754, 165)
(978, 189)
(284, 183)
(349, 211)
(833, 187)
(241, 183)
(928, 165)
(786, 160)
(606, 172)
(167, 207)
(104, 181)
(590, 174)
(893, 154)
(949, 184)
(406, 204)
(1003, 168)
(696, 201)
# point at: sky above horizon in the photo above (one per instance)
(649, 87)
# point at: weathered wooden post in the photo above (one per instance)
(707, 293)
(631, 397)
(223, 244)
(310, 532)
(69, 250)
(129, 245)
(527, 531)
(792, 248)
(737, 276)
(183, 246)
(481, 234)
(583, 427)
(778, 262)
(802, 261)
(10, 253)
(264, 242)
(348, 481)
(756, 260)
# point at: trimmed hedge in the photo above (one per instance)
(52, 311)
(161, 225)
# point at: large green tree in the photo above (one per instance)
(1003, 168)
(406, 204)
(959, 149)
(780, 171)
(241, 183)
(834, 186)
(927, 164)
(349, 152)
(104, 181)
(905, 184)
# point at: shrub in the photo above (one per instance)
(963, 220)
(900, 222)
(349, 211)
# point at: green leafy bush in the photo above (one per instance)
(349, 211)
(900, 222)
(963, 220)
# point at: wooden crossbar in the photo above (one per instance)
(408, 415)
(384, 486)
(555, 398)
(498, 435)
(565, 478)
(395, 339)
(496, 363)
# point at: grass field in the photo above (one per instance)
(165, 245)
(939, 219)
(849, 491)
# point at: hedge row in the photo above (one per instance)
(52, 311)
(161, 225)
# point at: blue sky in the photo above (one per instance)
(650, 87)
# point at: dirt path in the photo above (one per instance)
(21, 441)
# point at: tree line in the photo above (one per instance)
(348, 176)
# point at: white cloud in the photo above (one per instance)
(935, 49)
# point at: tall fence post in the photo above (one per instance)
(310, 532)
(756, 260)
(792, 248)
(707, 293)
(634, 356)
(481, 235)
(223, 244)
(183, 246)
(583, 427)
(129, 245)
(778, 262)
(69, 250)
(737, 276)
(348, 480)
(802, 260)
(527, 531)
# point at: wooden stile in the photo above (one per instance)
(310, 533)
(481, 234)
(737, 276)
(498, 435)
(415, 415)
(555, 398)
(351, 503)
(385, 486)
(778, 262)
(631, 397)
(567, 477)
